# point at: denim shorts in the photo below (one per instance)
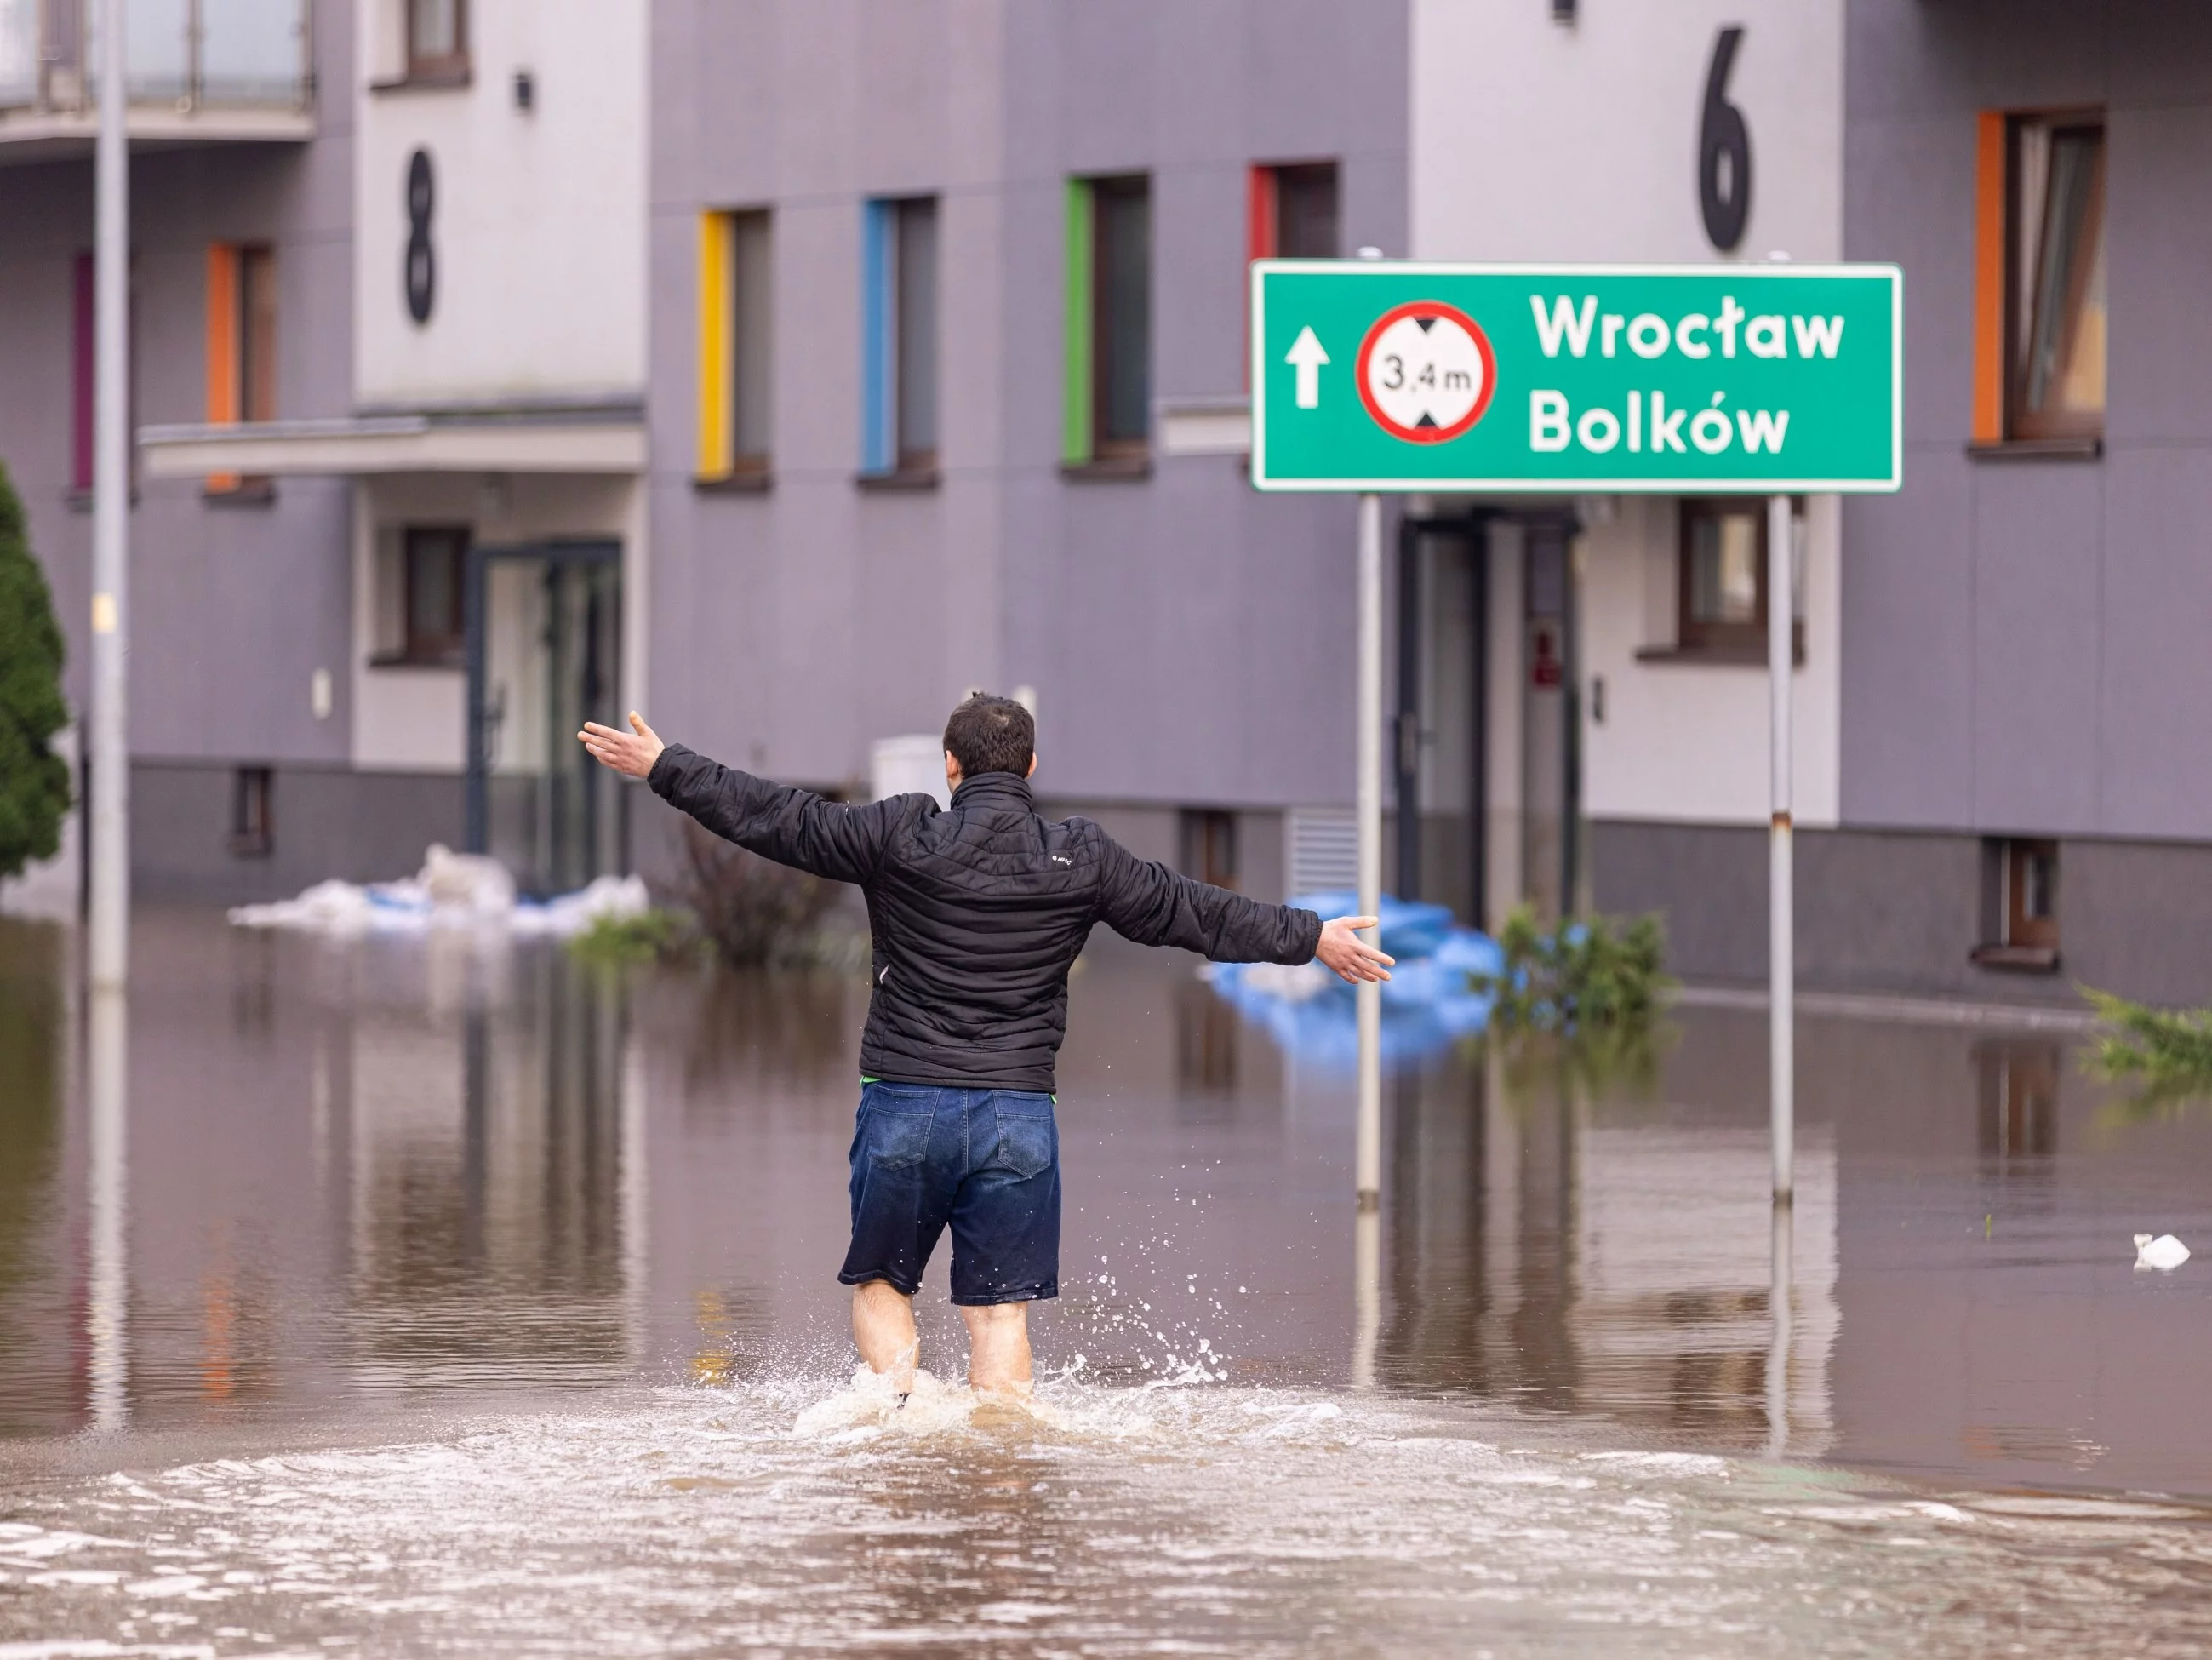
(986, 1161)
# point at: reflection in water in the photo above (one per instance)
(1367, 1294)
(1782, 1317)
(1206, 1030)
(403, 1166)
(1573, 1253)
(487, 1184)
(404, 1177)
(106, 1302)
(2019, 1104)
(35, 1354)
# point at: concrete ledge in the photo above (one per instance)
(397, 443)
(1910, 1011)
(47, 135)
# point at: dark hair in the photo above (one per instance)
(991, 735)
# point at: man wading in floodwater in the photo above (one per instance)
(976, 913)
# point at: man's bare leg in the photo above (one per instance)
(883, 1330)
(998, 1348)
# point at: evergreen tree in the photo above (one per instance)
(34, 781)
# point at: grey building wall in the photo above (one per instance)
(1188, 640)
(2023, 640)
(1899, 911)
(326, 822)
(233, 607)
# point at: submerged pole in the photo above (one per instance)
(109, 842)
(1779, 1292)
(107, 1293)
(1369, 1161)
(1781, 963)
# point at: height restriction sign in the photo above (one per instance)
(1740, 379)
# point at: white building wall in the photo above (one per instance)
(1537, 141)
(539, 226)
(410, 718)
(1684, 740)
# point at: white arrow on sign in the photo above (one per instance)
(1306, 357)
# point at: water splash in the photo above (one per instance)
(808, 1511)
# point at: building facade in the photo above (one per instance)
(239, 171)
(1567, 694)
(1996, 788)
(484, 435)
(909, 332)
(2021, 762)
(784, 370)
(787, 370)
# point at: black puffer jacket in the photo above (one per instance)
(977, 912)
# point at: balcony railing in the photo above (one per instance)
(180, 55)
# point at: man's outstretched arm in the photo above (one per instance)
(1146, 902)
(792, 826)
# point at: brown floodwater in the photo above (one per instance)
(400, 1296)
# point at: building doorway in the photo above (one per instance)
(1438, 755)
(544, 655)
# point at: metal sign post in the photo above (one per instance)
(1781, 890)
(1368, 1159)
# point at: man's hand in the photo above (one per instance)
(630, 755)
(1353, 959)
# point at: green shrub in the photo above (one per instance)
(2166, 1046)
(34, 781)
(1621, 1062)
(655, 935)
(1576, 976)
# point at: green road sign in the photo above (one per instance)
(1751, 380)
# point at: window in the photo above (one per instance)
(437, 39)
(2019, 1101)
(84, 352)
(2040, 280)
(2030, 894)
(1209, 846)
(736, 318)
(899, 338)
(257, 334)
(1108, 416)
(1293, 212)
(434, 568)
(241, 345)
(1205, 1051)
(1722, 605)
(253, 830)
(2057, 286)
(2019, 904)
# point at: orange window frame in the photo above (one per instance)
(224, 393)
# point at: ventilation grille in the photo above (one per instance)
(1324, 850)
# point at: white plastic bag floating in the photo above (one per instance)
(2166, 1253)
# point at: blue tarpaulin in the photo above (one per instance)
(1427, 1003)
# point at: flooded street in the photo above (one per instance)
(424, 1296)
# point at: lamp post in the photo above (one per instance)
(110, 806)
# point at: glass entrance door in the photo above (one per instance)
(545, 657)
